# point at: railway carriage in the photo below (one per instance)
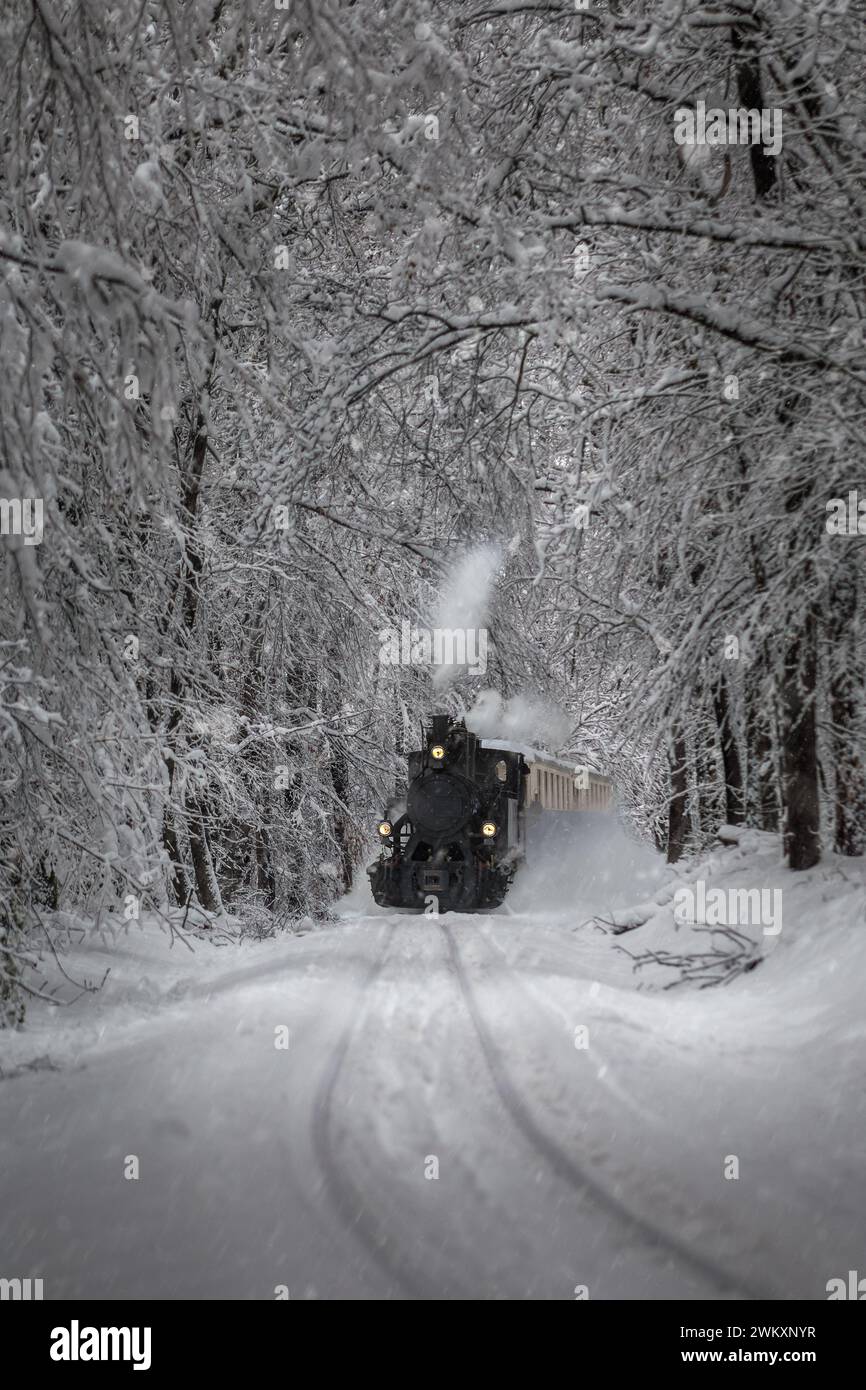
(557, 785)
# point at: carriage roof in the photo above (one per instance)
(536, 756)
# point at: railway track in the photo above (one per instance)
(345, 1193)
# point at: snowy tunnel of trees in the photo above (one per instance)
(298, 302)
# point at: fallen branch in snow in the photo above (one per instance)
(28, 959)
(83, 986)
(600, 924)
(704, 968)
(627, 919)
(182, 927)
(43, 1063)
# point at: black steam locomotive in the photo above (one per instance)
(461, 835)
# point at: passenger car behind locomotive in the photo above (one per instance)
(461, 834)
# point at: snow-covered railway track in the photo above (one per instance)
(347, 1197)
(566, 1167)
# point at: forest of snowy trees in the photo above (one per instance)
(303, 299)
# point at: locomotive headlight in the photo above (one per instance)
(437, 752)
(488, 829)
(384, 828)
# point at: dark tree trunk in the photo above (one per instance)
(845, 683)
(678, 821)
(734, 798)
(850, 791)
(255, 839)
(763, 795)
(800, 748)
(179, 879)
(182, 602)
(340, 779)
(205, 877)
(750, 91)
(187, 585)
(265, 878)
(707, 780)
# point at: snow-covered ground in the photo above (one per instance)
(495, 1106)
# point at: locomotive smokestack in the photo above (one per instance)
(439, 728)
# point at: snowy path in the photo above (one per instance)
(306, 1167)
(413, 1039)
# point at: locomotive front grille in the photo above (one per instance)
(434, 880)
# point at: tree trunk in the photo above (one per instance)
(734, 798)
(707, 784)
(265, 879)
(179, 879)
(750, 91)
(763, 799)
(845, 682)
(340, 779)
(850, 790)
(205, 877)
(678, 821)
(800, 749)
(186, 583)
(257, 838)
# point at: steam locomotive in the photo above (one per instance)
(461, 834)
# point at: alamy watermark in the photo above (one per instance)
(729, 907)
(438, 646)
(77, 1343)
(736, 126)
(22, 516)
(21, 1290)
(854, 1287)
(846, 516)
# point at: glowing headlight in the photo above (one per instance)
(488, 829)
(437, 752)
(385, 827)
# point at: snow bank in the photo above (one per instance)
(113, 978)
(806, 917)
